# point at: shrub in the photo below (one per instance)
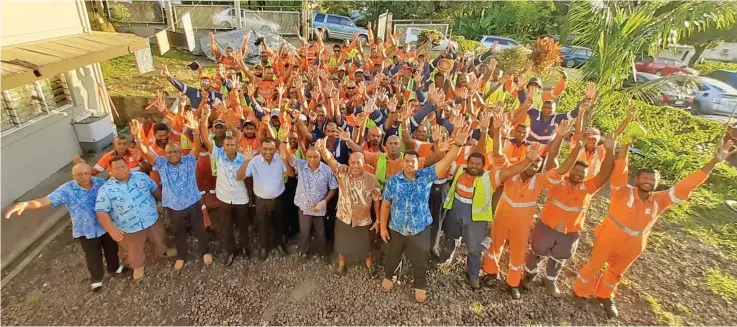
(467, 45)
(710, 66)
(512, 60)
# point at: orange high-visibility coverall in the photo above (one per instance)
(622, 236)
(206, 184)
(513, 220)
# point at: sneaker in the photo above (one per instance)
(610, 307)
(514, 292)
(96, 287)
(420, 295)
(122, 270)
(491, 280)
(527, 281)
(387, 285)
(178, 265)
(552, 288)
(474, 283)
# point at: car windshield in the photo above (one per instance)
(726, 88)
(670, 87)
(478, 38)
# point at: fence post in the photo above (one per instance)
(238, 16)
(170, 16)
(306, 15)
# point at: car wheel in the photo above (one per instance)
(696, 108)
(570, 63)
(659, 73)
(363, 38)
(226, 25)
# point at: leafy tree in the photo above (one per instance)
(709, 38)
(620, 31)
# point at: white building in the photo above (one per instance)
(727, 52)
(36, 138)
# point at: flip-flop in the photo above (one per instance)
(732, 204)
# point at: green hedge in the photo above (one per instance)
(677, 142)
(710, 66)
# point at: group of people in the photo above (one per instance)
(371, 144)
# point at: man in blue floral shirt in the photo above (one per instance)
(126, 208)
(180, 194)
(405, 199)
(79, 196)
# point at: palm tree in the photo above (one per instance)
(621, 31)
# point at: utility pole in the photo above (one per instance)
(238, 14)
(170, 16)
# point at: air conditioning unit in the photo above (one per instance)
(95, 131)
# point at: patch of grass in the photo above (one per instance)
(658, 239)
(684, 309)
(662, 315)
(705, 215)
(722, 284)
(122, 77)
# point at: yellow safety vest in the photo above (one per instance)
(497, 96)
(381, 169)
(481, 202)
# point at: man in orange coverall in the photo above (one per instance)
(556, 234)
(513, 216)
(622, 236)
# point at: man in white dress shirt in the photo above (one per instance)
(267, 170)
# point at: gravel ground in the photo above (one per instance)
(53, 290)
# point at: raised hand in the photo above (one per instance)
(590, 91)
(491, 66)
(609, 141)
(436, 132)
(344, 134)
(485, 119)
(165, 71)
(533, 152)
(205, 112)
(405, 113)
(462, 135)
(564, 128)
(392, 105)
(499, 120)
(135, 128)
(280, 89)
(462, 93)
(191, 122)
(247, 153)
(320, 145)
(725, 150)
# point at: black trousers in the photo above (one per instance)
(190, 217)
(305, 232)
(93, 250)
(291, 211)
(332, 212)
(269, 222)
(230, 215)
(417, 248)
(437, 199)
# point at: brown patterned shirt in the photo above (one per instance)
(356, 197)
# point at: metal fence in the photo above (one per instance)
(206, 16)
(409, 32)
(149, 12)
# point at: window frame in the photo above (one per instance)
(11, 111)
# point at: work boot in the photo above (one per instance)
(610, 307)
(514, 292)
(490, 280)
(527, 281)
(474, 283)
(581, 302)
(552, 288)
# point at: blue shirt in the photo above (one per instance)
(81, 205)
(312, 186)
(543, 131)
(131, 206)
(410, 213)
(341, 152)
(178, 184)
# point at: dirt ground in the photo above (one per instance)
(666, 286)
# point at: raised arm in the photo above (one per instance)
(627, 120)
(19, 207)
(608, 164)
(327, 156)
(454, 150)
(563, 131)
(533, 154)
(204, 132)
(247, 153)
(149, 155)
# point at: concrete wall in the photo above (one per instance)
(28, 21)
(34, 152)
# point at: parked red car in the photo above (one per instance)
(664, 67)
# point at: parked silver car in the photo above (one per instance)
(249, 19)
(714, 97)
